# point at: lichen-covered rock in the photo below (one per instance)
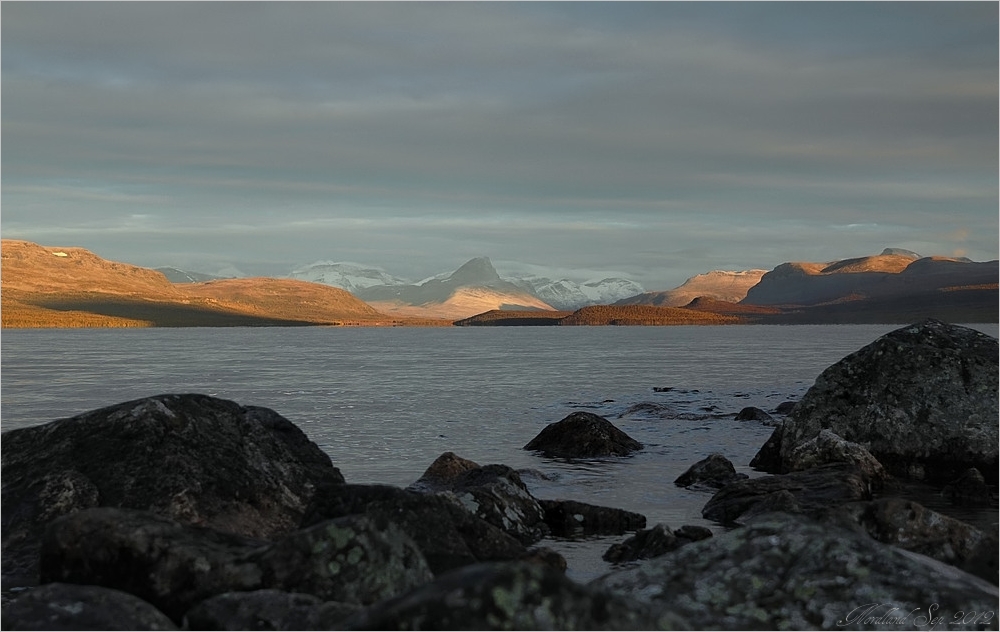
(659, 540)
(510, 596)
(826, 447)
(713, 472)
(583, 435)
(922, 399)
(570, 518)
(494, 493)
(790, 573)
(813, 490)
(196, 459)
(353, 559)
(447, 533)
(60, 606)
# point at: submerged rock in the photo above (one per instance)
(510, 596)
(791, 573)
(922, 399)
(713, 472)
(569, 518)
(60, 606)
(196, 459)
(752, 413)
(583, 435)
(354, 559)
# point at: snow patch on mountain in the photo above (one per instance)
(565, 294)
(346, 275)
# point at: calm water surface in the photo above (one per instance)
(384, 403)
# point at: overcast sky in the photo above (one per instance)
(651, 140)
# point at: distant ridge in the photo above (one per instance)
(720, 285)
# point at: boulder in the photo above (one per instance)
(826, 447)
(570, 518)
(713, 472)
(792, 573)
(784, 408)
(752, 413)
(922, 399)
(445, 531)
(768, 458)
(59, 606)
(970, 487)
(659, 540)
(267, 609)
(195, 459)
(812, 491)
(494, 493)
(354, 559)
(582, 435)
(509, 596)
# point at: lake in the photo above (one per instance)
(385, 402)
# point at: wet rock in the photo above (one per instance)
(509, 596)
(752, 413)
(569, 518)
(826, 447)
(353, 559)
(583, 435)
(911, 526)
(792, 573)
(768, 458)
(922, 399)
(60, 606)
(649, 543)
(713, 472)
(442, 473)
(494, 493)
(196, 459)
(813, 490)
(447, 533)
(784, 408)
(267, 609)
(969, 487)
(546, 557)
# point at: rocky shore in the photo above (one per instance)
(192, 512)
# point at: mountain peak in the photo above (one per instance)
(478, 271)
(901, 252)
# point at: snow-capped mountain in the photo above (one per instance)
(565, 294)
(352, 277)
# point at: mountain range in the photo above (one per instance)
(47, 286)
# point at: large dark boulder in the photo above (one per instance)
(196, 459)
(510, 596)
(713, 472)
(583, 435)
(354, 559)
(809, 491)
(447, 533)
(494, 493)
(267, 609)
(922, 399)
(60, 606)
(571, 518)
(787, 572)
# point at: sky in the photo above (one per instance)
(650, 140)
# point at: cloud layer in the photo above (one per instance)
(657, 140)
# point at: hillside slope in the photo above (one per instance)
(719, 285)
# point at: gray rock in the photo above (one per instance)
(196, 459)
(713, 472)
(494, 493)
(768, 458)
(583, 435)
(784, 408)
(570, 518)
(60, 606)
(265, 609)
(791, 573)
(649, 543)
(970, 487)
(510, 596)
(826, 447)
(922, 399)
(354, 559)
(812, 491)
(752, 413)
(447, 533)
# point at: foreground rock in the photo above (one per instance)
(494, 493)
(922, 399)
(72, 607)
(583, 435)
(713, 472)
(353, 559)
(510, 597)
(789, 572)
(267, 610)
(447, 533)
(195, 459)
